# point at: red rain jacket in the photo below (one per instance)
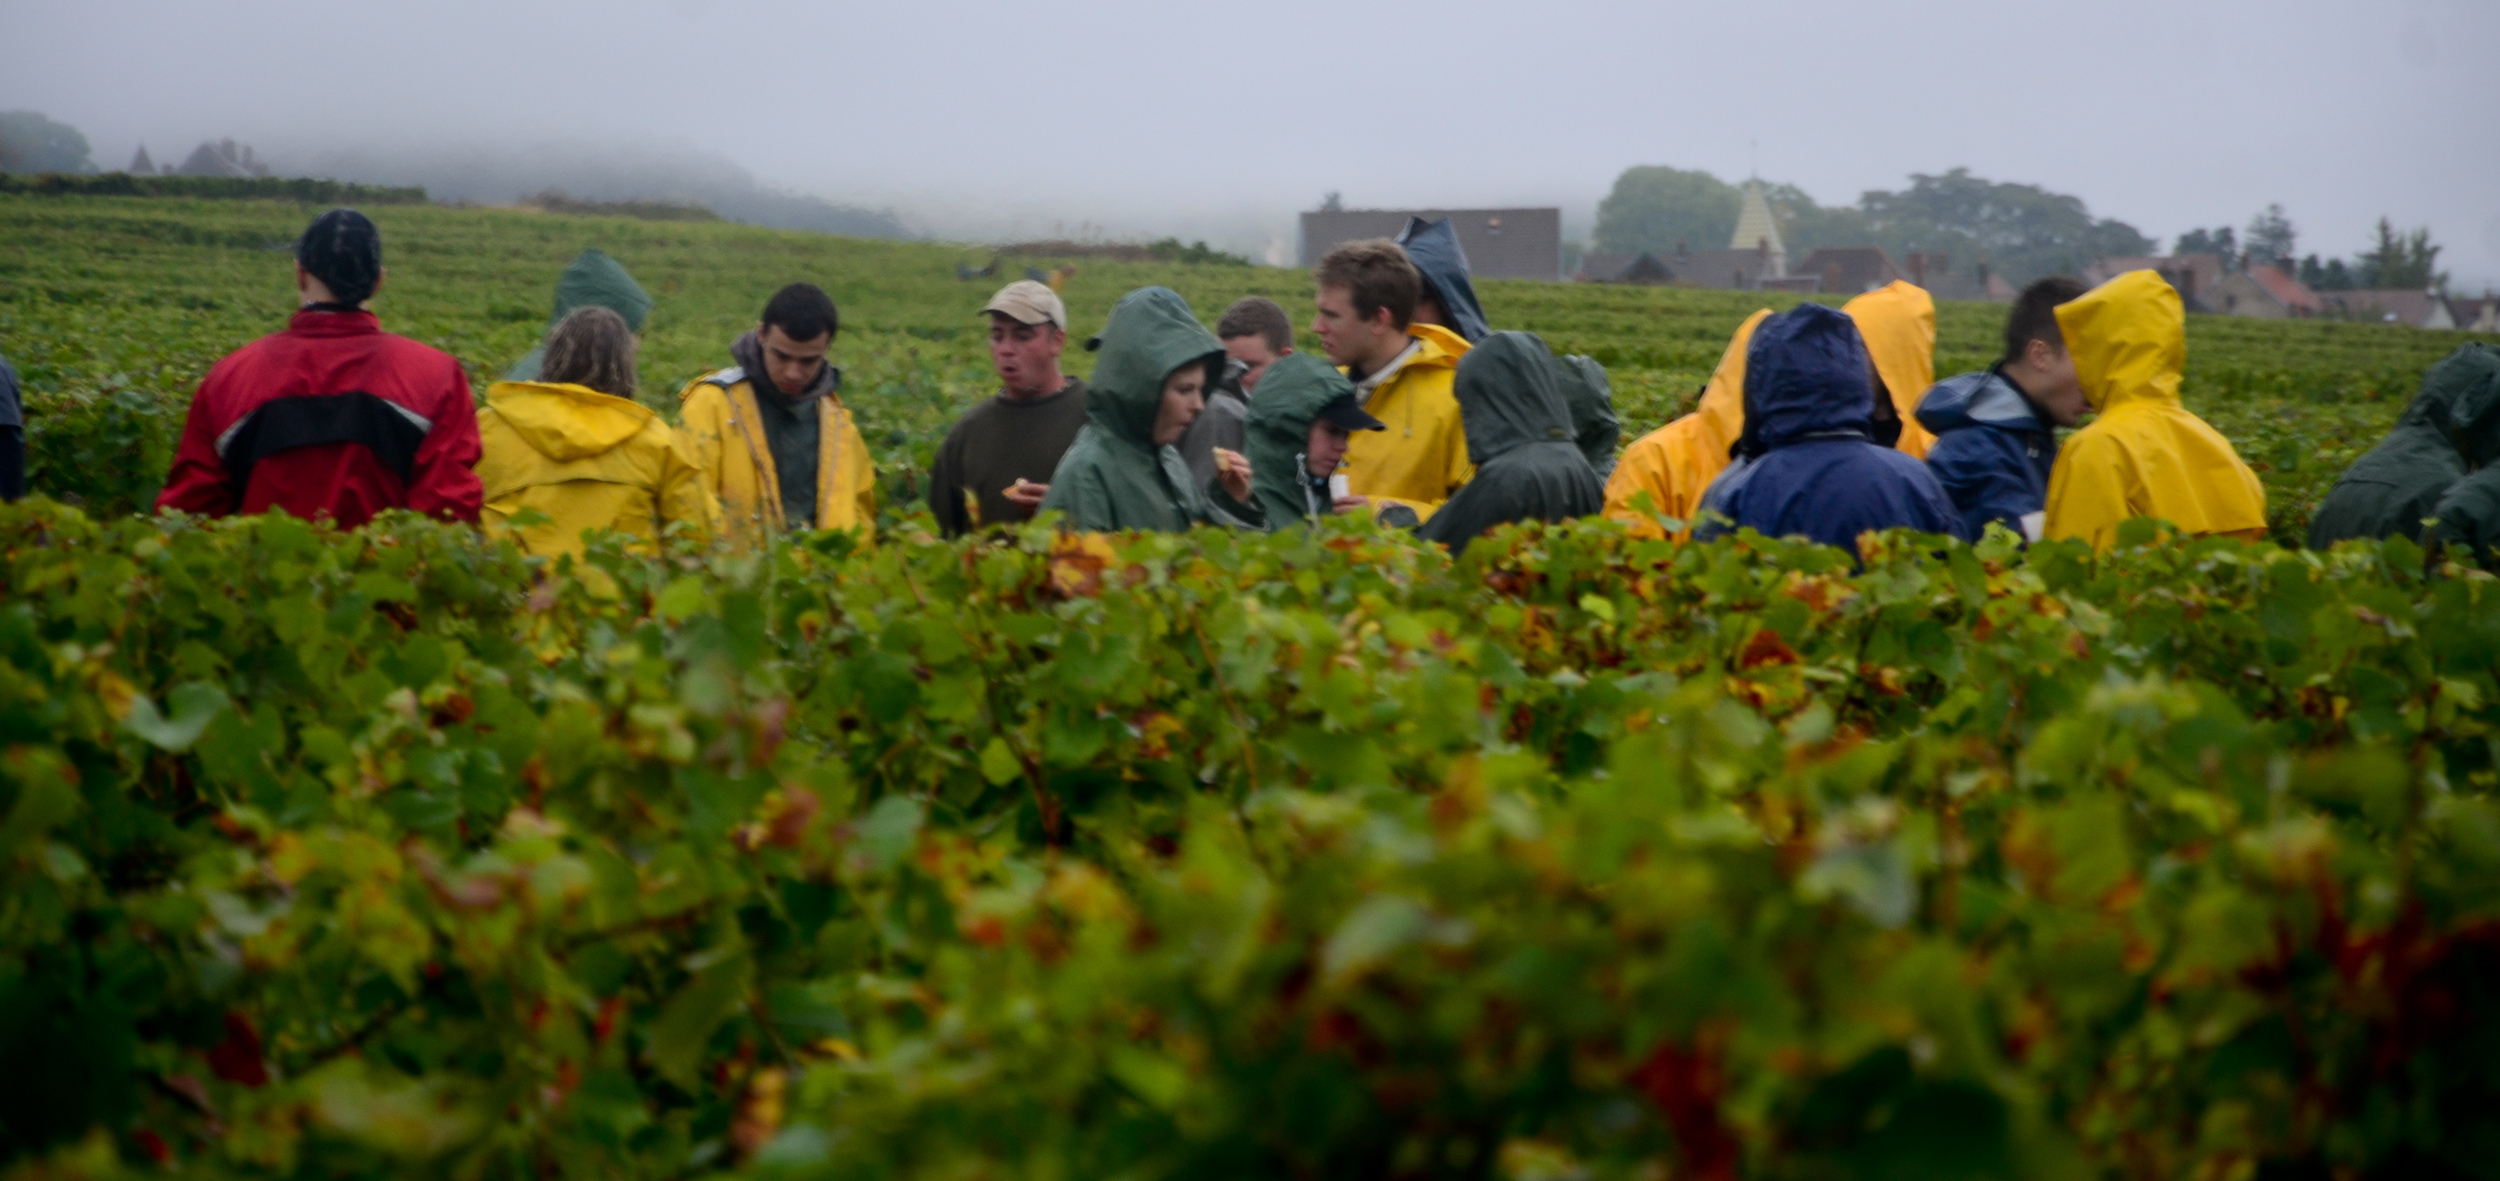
(331, 418)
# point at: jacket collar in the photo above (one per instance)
(312, 323)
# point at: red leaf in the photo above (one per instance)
(239, 1059)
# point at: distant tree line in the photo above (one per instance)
(2408, 260)
(2021, 231)
(31, 143)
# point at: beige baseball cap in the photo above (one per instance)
(1028, 302)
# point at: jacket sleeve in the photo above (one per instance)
(198, 482)
(683, 494)
(2087, 492)
(1460, 519)
(12, 463)
(1986, 476)
(443, 481)
(1077, 491)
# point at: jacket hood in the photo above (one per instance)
(1591, 399)
(1433, 248)
(1510, 395)
(2460, 397)
(1898, 323)
(1978, 399)
(1151, 333)
(596, 280)
(2129, 341)
(1806, 374)
(1291, 393)
(567, 422)
(1721, 408)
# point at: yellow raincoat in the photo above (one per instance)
(1898, 323)
(720, 425)
(1422, 458)
(2143, 455)
(587, 460)
(1675, 463)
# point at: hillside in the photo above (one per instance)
(116, 306)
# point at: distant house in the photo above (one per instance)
(1500, 243)
(2265, 292)
(222, 158)
(2475, 315)
(1852, 270)
(1933, 270)
(2407, 305)
(2194, 276)
(140, 165)
(1744, 270)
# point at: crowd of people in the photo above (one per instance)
(1817, 422)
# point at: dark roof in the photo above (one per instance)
(1500, 243)
(1850, 270)
(2286, 290)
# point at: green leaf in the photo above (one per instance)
(192, 704)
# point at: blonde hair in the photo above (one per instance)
(591, 347)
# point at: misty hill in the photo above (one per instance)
(511, 175)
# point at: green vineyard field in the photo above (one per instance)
(397, 854)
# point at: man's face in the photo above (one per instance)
(1348, 338)
(792, 364)
(1184, 395)
(1325, 448)
(1252, 351)
(1026, 356)
(2053, 382)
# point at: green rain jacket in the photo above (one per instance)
(1113, 476)
(1591, 398)
(591, 280)
(1291, 393)
(2451, 428)
(1519, 436)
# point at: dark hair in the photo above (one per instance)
(343, 250)
(1257, 316)
(2035, 314)
(592, 347)
(803, 312)
(1376, 274)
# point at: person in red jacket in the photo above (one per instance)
(332, 418)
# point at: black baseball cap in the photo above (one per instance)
(1346, 412)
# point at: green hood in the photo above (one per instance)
(592, 280)
(1592, 401)
(1290, 395)
(2461, 398)
(1510, 395)
(1151, 333)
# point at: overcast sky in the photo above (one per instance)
(975, 118)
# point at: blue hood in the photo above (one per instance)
(1434, 249)
(1978, 399)
(1806, 375)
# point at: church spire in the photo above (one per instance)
(1755, 230)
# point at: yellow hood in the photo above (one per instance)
(567, 422)
(2129, 341)
(1722, 405)
(1898, 323)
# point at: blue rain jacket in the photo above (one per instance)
(1993, 449)
(1808, 409)
(1433, 248)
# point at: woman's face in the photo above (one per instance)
(1184, 395)
(1325, 449)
